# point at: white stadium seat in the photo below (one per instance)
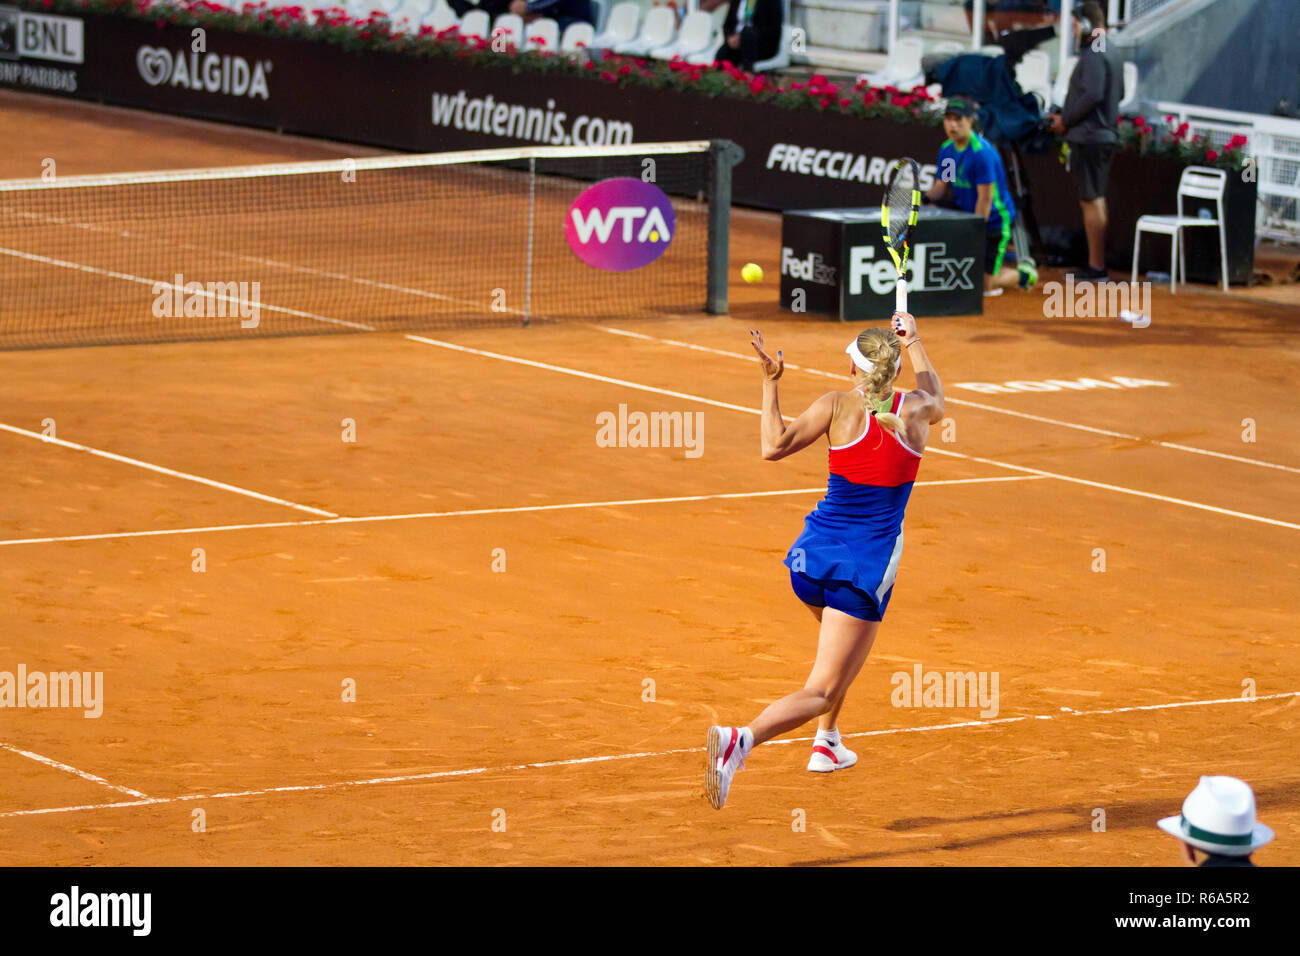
(620, 26)
(440, 17)
(1130, 86)
(475, 23)
(658, 29)
(543, 35)
(1062, 85)
(903, 68)
(577, 36)
(695, 37)
(510, 27)
(1034, 74)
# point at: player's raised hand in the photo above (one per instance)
(772, 368)
(904, 325)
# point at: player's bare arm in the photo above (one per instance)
(780, 440)
(924, 405)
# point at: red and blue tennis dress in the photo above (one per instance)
(851, 544)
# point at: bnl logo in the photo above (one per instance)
(931, 270)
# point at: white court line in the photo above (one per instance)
(481, 511)
(962, 401)
(163, 471)
(1127, 491)
(610, 758)
(70, 769)
(929, 449)
(256, 260)
(152, 283)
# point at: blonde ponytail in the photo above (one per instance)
(883, 350)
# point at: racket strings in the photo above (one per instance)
(899, 201)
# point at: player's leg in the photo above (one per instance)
(842, 648)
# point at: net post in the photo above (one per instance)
(723, 155)
(528, 258)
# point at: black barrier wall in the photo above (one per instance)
(795, 159)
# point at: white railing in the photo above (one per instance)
(1273, 143)
(1134, 9)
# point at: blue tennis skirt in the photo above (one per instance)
(839, 595)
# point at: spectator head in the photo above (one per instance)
(1218, 818)
(1092, 12)
(959, 119)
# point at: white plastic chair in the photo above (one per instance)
(475, 23)
(782, 58)
(695, 37)
(508, 27)
(407, 17)
(1034, 74)
(1061, 88)
(657, 30)
(950, 47)
(620, 26)
(1130, 86)
(577, 36)
(440, 17)
(992, 49)
(543, 35)
(1197, 182)
(903, 68)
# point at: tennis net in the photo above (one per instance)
(436, 241)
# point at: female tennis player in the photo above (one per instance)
(843, 565)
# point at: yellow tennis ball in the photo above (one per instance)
(752, 272)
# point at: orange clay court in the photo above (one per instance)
(518, 697)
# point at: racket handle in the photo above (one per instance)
(900, 295)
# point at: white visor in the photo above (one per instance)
(864, 363)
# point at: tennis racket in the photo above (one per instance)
(898, 217)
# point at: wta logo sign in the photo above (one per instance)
(620, 224)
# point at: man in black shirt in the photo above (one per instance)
(1090, 123)
(752, 29)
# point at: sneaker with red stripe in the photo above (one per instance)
(826, 758)
(726, 756)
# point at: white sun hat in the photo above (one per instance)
(1219, 817)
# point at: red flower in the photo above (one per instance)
(1140, 122)
(625, 69)
(608, 76)
(825, 101)
(1236, 141)
(1211, 155)
(845, 103)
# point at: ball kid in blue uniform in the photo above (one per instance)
(844, 563)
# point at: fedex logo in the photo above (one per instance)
(811, 268)
(931, 270)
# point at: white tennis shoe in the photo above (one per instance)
(726, 756)
(826, 758)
